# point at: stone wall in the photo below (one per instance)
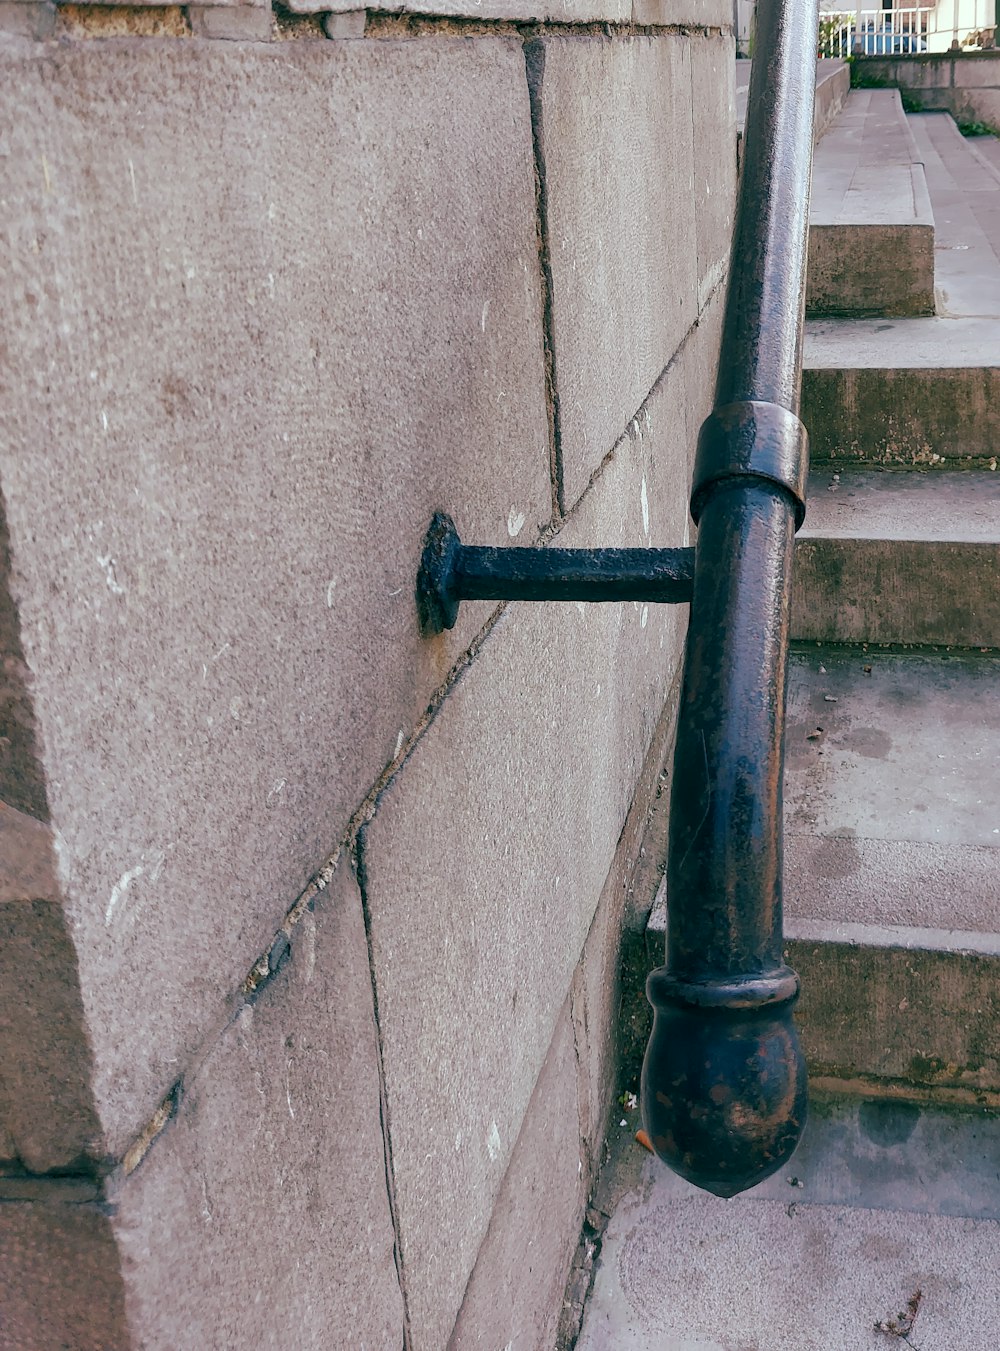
(965, 84)
(309, 924)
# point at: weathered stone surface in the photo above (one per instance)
(605, 1030)
(244, 366)
(833, 82)
(846, 878)
(554, 11)
(772, 1269)
(899, 557)
(61, 1288)
(614, 127)
(927, 71)
(260, 1217)
(22, 777)
(536, 1219)
(850, 272)
(707, 13)
(966, 85)
(48, 1118)
(350, 24)
(974, 105)
(474, 947)
(871, 227)
(47, 1113)
(235, 23)
(891, 790)
(913, 1006)
(892, 859)
(701, 365)
(855, 590)
(930, 70)
(916, 414)
(27, 20)
(712, 83)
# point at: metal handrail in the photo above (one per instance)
(724, 1081)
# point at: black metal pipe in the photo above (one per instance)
(451, 572)
(724, 1084)
(663, 576)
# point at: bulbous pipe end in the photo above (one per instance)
(724, 1079)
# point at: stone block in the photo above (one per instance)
(913, 1006)
(239, 382)
(706, 14)
(235, 23)
(536, 1219)
(869, 204)
(260, 1217)
(350, 24)
(47, 1113)
(488, 853)
(700, 356)
(913, 414)
(61, 1284)
(48, 1118)
(865, 590)
(27, 20)
(833, 83)
(712, 82)
(975, 70)
(606, 1024)
(975, 105)
(555, 11)
(857, 270)
(926, 72)
(22, 777)
(614, 129)
(673, 1258)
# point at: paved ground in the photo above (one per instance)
(883, 1202)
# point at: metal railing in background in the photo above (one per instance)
(899, 32)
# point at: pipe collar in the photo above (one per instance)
(752, 440)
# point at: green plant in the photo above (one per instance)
(834, 34)
(861, 79)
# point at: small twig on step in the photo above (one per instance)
(902, 1325)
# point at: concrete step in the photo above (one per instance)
(892, 866)
(921, 390)
(883, 1204)
(988, 150)
(965, 196)
(892, 870)
(899, 556)
(907, 391)
(871, 227)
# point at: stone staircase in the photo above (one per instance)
(885, 1229)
